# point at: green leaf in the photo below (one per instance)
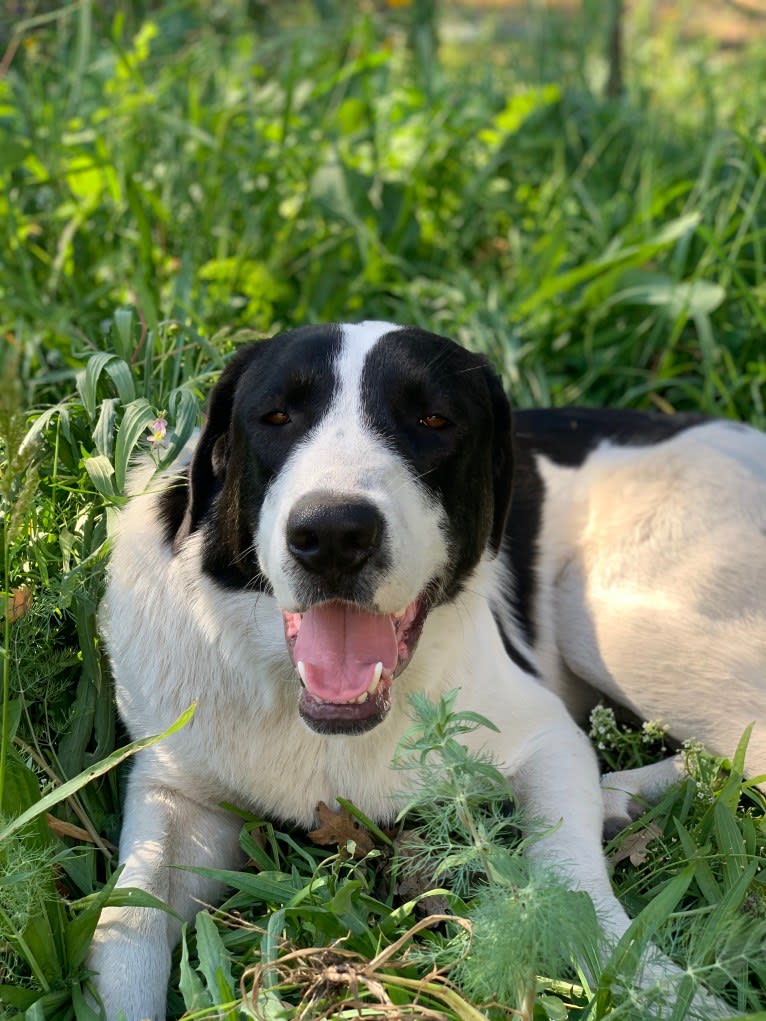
(103, 434)
(730, 841)
(66, 790)
(680, 298)
(13, 710)
(116, 369)
(627, 955)
(271, 942)
(138, 415)
(266, 887)
(101, 474)
(83, 1011)
(122, 332)
(738, 761)
(18, 998)
(183, 411)
(703, 874)
(618, 256)
(194, 993)
(22, 793)
(213, 959)
(80, 931)
(553, 1007)
(344, 906)
(368, 824)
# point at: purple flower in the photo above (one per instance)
(157, 432)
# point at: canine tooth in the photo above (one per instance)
(373, 687)
(362, 698)
(301, 670)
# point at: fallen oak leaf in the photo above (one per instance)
(337, 828)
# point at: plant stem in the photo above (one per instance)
(5, 723)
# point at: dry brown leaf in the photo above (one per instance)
(337, 828)
(68, 829)
(18, 603)
(634, 846)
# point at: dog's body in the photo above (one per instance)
(339, 541)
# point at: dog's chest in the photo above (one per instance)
(272, 764)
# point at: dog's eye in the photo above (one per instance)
(434, 421)
(276, 417)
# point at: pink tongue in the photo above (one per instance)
(340, 646)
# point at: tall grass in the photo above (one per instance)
(177, 177)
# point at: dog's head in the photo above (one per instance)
(357, 474)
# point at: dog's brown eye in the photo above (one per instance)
(434, 421)
(276, 417)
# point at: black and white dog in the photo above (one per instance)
(346, 533)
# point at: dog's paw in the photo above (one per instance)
(620, 806)
(627, 793)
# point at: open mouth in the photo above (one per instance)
(346, 658)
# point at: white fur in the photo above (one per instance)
(175, 637)
(652, 591)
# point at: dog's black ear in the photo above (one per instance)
(502, 457)
(208, 467)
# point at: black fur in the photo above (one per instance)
(240, 451)
(411, 374)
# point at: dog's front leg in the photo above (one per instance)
(131, 950)
(557, 786)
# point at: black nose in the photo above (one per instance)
(331, 535)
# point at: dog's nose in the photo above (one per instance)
(331, 534)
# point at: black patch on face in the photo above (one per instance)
(565, 436)
(442, 409)
(173, 502)
(268, 397)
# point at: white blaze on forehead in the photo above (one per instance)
(343, 455)
(358, 340)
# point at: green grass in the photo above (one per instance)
(176, 178)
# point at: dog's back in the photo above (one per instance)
(638, 545)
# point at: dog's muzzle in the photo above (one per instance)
(346, 655)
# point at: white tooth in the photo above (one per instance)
(301, 670)
(362, 698)
(373, 686)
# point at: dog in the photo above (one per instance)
(361, 519)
